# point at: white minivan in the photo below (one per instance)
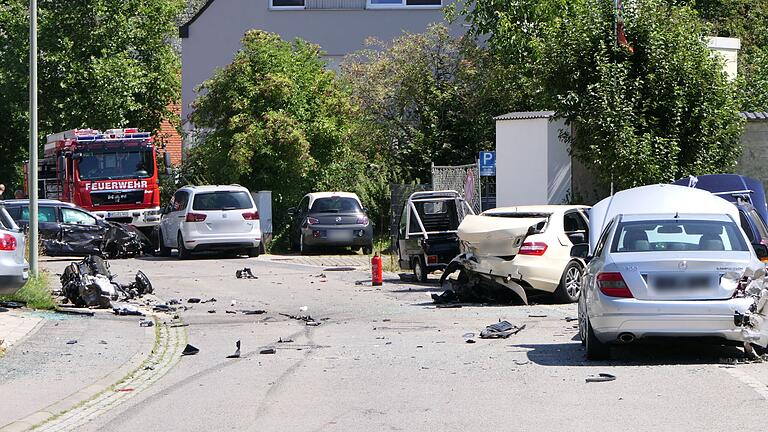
(205, 218)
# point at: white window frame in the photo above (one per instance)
(370, 5)
(273, 7)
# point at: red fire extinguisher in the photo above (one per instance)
(376, 272)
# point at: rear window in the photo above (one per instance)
(335, 205)
(677, 235)
(222, 200)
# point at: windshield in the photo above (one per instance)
(335, 205)
(223, 200)
(116, 165)
(677, 235)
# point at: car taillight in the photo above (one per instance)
(533, 248)
(613, 285)
(363, 220)
(251, 215)
(8, 242)
(195, 217)
(312, 221)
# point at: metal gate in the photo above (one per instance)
(464, 179)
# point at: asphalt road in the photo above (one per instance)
(386, 359)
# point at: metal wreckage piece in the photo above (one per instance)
(90, 283)
(115, 241)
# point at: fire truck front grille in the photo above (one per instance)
(124, 197)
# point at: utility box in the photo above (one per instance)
(264, 205)
(533, 165)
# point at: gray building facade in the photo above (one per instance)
(212, 37)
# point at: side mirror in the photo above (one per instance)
(580, 251)
(761, 251)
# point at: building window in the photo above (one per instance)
(296, 4)
(404, 3)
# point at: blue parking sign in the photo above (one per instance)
(487, 163)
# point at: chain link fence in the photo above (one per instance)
(400, 194)
(464, 179)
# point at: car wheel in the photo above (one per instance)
(419, 269)
(253, 252)
(367, 250)
(596, 350)
(303, 248)
(164, 250)
(184, 253)
(570, 283)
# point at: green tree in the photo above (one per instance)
(653, 115)
(426, 98)
(276, 119)
(102, 64)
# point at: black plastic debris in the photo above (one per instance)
(189, 350)
(193, 300)
(470, 341)
(500, 330)
(211, 311)
(11, 304)
(163, 308)
(173, 302)
(602, 377)
(245, 273)
(267, 351)
(127, 310)
(230, 311)
(210, 300)
(237, 351)
(536, 316)
(72, 342)
(253, 312)
(146, 323)
(281, 340)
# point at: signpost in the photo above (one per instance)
(487, 163)
(32, 185)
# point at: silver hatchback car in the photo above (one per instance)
(671, 274)
(14, 270)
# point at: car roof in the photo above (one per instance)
(39, 202)
(215, 188)
(676, 216)
(534, 209)
(315, 195)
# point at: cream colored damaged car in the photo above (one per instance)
(525, 248)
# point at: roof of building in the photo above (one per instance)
(184, 29)
(525, 115)
(760, 115)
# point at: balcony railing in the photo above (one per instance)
(334, 4)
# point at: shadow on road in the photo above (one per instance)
(652, 353)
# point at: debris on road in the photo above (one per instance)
(11, 304)
(313, 323)
(211, 311)
(536, 316)
(146, 323)
(245, 273)
(210, 300)
(189, 350)
(267, 351)
(89, 282)
(601, 377)
(569, 319)
(72, 342)
(470, 341)
(253, 312)
(281, 340)
(237, 351)
(127, 310)
(230, 311)
(500, 330)
(193, 300)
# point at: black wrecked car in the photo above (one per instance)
(68, 230)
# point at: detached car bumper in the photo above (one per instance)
(610, 317)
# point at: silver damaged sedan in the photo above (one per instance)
(672, 275)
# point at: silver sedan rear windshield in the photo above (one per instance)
(222, 200)
(678, 235)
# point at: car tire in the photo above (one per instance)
(419, 269)
(253, 252)
(164, 250)
(569, 289)
(596, 350)
(303, 248)
(184, 253)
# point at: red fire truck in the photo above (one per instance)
(112, 173)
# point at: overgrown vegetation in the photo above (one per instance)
(35, 293)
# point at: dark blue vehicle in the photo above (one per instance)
(746, 193)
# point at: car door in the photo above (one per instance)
(81, 231)
(176, 214)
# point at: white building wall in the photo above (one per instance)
(522, 174)
(558, 164)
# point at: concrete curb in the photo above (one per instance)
(89, 391)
